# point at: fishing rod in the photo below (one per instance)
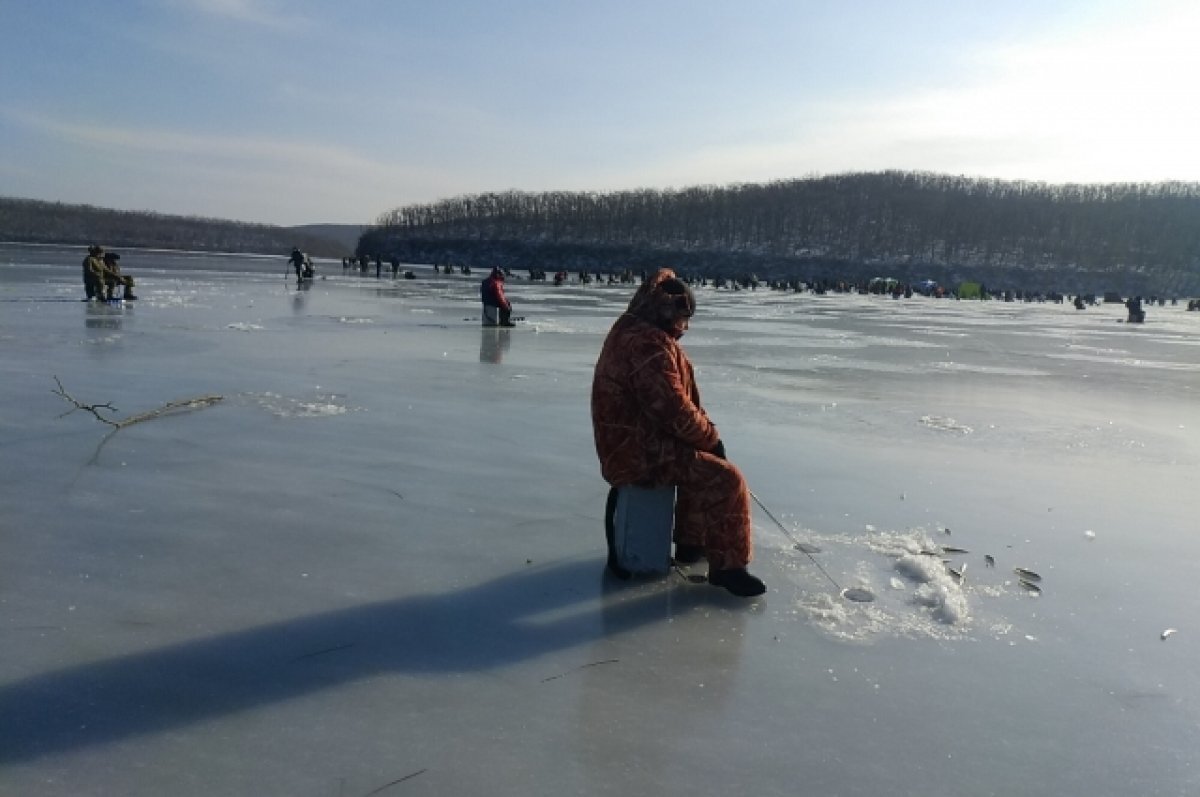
(856, 594)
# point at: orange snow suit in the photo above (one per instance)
(651, 431)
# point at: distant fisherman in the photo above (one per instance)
(1136, 314)
(93, 273)
(113, 277)
(297, 260)
(491, 291)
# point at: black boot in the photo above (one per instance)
(688, 554)
(737, 581)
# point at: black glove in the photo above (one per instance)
(719, 449)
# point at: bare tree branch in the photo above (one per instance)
(169, 408)
(94, 409)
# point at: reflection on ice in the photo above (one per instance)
(493, 343)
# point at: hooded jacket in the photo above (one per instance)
(491, 291)
(645, 405)
(93, 265)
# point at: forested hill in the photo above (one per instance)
(1131, 238)
(346, 235)
(33, 221)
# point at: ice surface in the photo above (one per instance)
(381, 555)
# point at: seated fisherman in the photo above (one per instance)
(651, 431)
(1136, 314)
(491, 291)
(113, 277)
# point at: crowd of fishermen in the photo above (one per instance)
(893, 288)
(363, 264)
(102, 274)
(878, 286)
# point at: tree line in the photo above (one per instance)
(35, 221)
(1138, 236)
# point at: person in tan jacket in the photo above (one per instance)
(93, 273)
(650, 430)
(113, 277)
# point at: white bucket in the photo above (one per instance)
(642, 526)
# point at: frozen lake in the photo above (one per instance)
(376, 567)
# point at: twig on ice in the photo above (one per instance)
(170, 407)
(94, 409)
(166, 409)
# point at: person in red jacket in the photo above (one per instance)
(651, 431)
(491, 291)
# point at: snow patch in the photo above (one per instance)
(287, 407)
(944, 424)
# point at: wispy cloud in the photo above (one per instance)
(254, 178)
(266, 13)
(144, 140)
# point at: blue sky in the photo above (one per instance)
(301, 112)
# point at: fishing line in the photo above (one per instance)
(691, 578)
(856, 594)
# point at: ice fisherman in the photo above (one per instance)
(93, 273)
(1136, 314)
(298, 261)
(491, 291)
(651, 431)
(113, 277)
